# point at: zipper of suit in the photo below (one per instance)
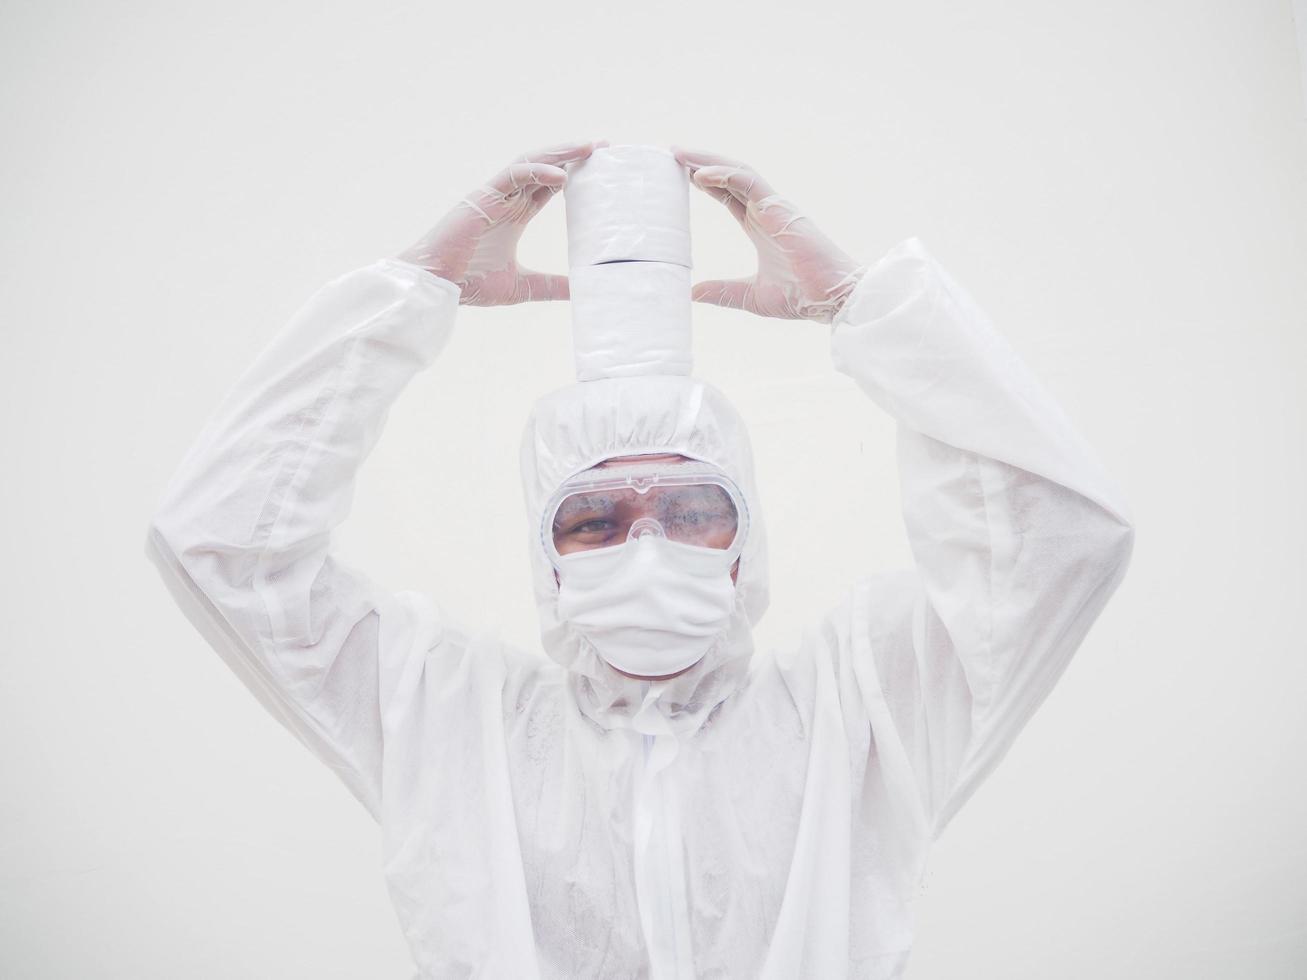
(665, 876)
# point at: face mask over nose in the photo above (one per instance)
(644, 556)
(650, 606)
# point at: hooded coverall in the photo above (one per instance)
(766, 814)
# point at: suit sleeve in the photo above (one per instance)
(1018, 535)
(242, 534)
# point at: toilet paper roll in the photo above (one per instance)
(628, 202)
(630, 318)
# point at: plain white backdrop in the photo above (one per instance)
(1122, 185)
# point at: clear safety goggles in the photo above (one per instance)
(687, 501)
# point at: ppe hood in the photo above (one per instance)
(580, 425)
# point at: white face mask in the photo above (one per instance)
(649, 606)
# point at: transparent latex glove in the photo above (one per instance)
(802, 274)
(475, 245)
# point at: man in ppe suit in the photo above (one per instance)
(654, 798)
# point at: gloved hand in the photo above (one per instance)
(801, 273)
(475, 245)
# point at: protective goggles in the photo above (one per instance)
(688, 501)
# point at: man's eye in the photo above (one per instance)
(591, 527)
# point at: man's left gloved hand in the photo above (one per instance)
(802, 274)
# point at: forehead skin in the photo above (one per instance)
(652, 458)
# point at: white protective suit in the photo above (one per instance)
(761, 815)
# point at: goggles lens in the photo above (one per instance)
(607, 506)
(699, 514)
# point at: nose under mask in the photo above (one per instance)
(650, 606)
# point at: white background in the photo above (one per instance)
(1122, 185)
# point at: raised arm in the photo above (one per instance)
(242, 533)
(1019, 537)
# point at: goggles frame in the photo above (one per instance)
(643, 477)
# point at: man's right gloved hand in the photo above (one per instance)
(475, 245)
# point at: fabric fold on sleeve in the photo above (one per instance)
(1018, 534)
(242, 532)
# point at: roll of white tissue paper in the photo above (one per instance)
(630, 318)
(628, 202)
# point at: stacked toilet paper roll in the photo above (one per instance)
(628, 256)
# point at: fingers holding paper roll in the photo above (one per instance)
(561, 154)
(538, 175)
(735, 294)
(694, 159)
(710, 170)
(535, 286)
(475, 245)
(801, 274)
(510, 287)
(543, 167)
(517, 193)
(741, 182)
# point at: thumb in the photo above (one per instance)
(734, 293)
(541, 286)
